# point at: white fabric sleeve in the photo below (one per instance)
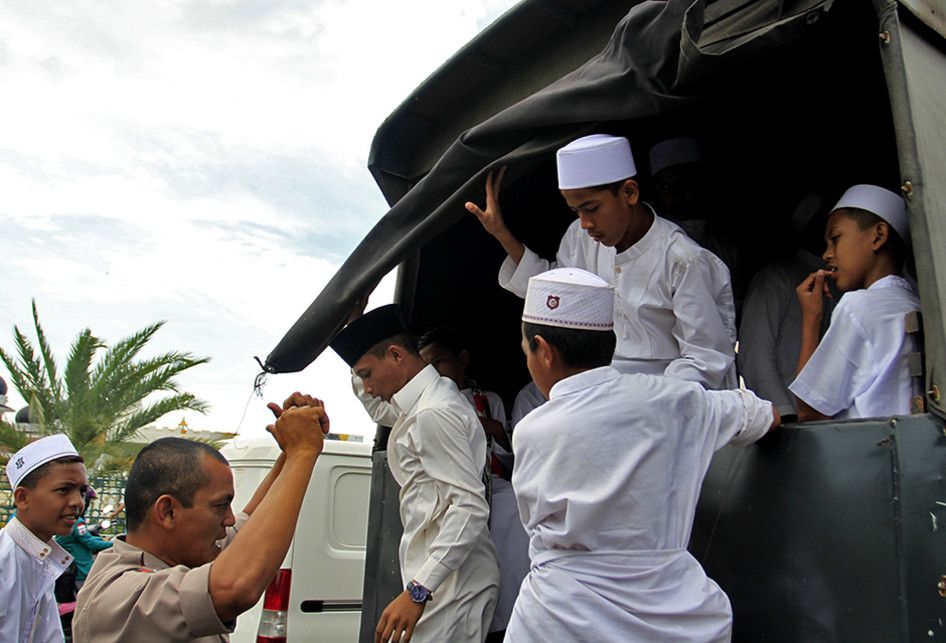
(443, 446)
(381, 412)
(763, 310)
(515, 278)
(701, 327)
(840, 367)
(740, 416)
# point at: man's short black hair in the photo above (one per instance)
(578, 348)
(167, 466)
(403, 340)
(31, 479)
(445, 336)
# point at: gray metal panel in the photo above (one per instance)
(849, 551)
(382, 569)
(915, 66)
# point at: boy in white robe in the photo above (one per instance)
(859, 368)
(443, 349)
(607, 479)
(674, 313)
(49, 482)
(436, 452)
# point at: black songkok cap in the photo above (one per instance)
(353, 341)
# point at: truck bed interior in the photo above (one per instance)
(817, 119)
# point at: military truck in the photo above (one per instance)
(822, 531)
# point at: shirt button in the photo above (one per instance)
(618, 270)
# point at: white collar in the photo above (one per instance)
(26, 540)
(583, 380)
(405, 399)
(893, 281)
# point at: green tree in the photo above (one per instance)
(102, 398)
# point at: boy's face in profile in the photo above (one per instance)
(54, 503)
(850, 251)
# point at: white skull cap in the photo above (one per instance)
(675, 151)
(36, 454)
(887, 205)
(594, 160)
(569, 298)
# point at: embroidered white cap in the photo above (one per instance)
(594, 160)
(569, 298)
(887, 205)
(675, 151)
(36, 454)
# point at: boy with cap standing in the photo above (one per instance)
(49, 482)
(437, 453)
(674, 313)
(859, 369)
(608, 497)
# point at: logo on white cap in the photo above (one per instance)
(569, 298)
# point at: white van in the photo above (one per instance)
(317, 593)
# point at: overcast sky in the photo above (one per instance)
(203, 163)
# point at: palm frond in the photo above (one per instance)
(11, 441)
(49, 361)
(79, 366)
(117, 358)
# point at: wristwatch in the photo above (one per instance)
(418, 593)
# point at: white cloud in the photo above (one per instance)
(201, 162)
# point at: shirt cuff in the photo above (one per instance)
(757, 421)
(432, 574)
(197, 605)
(515, 277)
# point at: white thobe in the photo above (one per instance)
(860, 367)
(436, 452)
(770, 331)
(28, 572)
(608, 474)
(673, 304)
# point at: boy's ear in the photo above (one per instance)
(21, 496)
(546, 352)
(464, 358)
(881, 235)
(630, 191)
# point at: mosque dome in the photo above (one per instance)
(23, 415)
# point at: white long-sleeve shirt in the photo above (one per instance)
(28, 572)
(608, 474)
(436, 452)
(673, 304)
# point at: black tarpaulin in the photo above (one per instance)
(661, 56)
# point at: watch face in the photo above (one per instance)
(418, 593)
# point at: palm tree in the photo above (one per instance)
(100, 400)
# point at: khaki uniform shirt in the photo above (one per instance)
(131, 595)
